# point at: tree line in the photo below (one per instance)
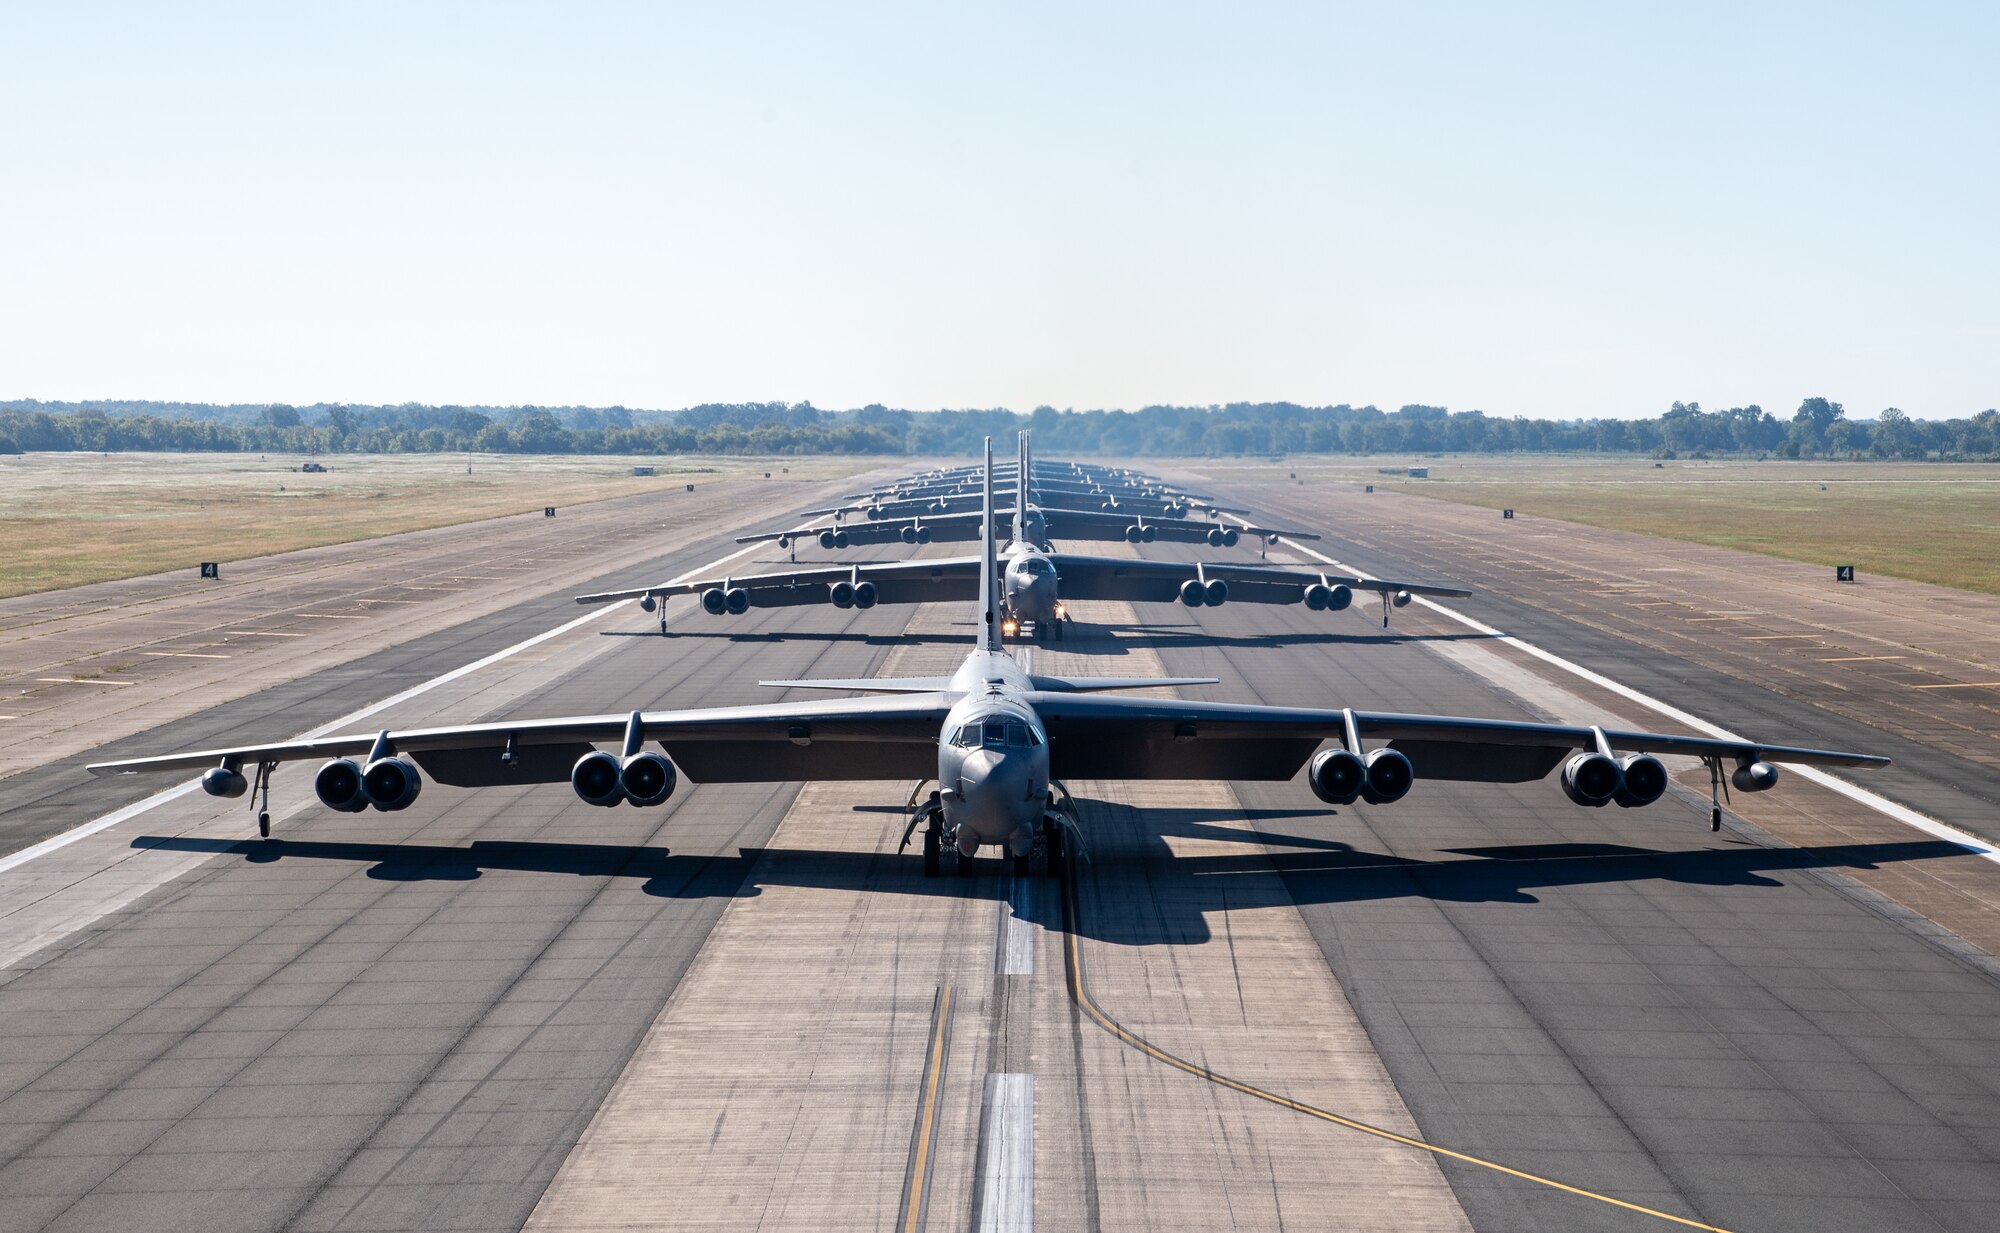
(1820, 428)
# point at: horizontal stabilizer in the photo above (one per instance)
(1098, 684)
(865, 684)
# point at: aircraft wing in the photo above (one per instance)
(1094, 737)
(1129, 578)
(784, 742)
(896, 582)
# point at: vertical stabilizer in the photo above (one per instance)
(1021, 490)
(989, 582)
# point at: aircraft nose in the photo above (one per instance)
(991, 787)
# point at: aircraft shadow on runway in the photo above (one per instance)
(1128, 638)
(1137, 896)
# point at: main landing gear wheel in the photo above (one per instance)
(1022, 865)
(933, 852)
(264, 825)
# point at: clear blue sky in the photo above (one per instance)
(1588, 209)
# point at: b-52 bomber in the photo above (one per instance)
(1000, 742)
(1034, 522)
(1035, 584)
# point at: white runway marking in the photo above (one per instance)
(137, 808)
(1014, 941)
(1880, 804)
(1007, 1142)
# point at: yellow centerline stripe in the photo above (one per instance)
(1855, 659)
(927, 1114)
(1080, 993)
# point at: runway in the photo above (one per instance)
(506, 1009)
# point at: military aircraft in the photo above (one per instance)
(1000, 741)
(1033, 523)
(1035, 584)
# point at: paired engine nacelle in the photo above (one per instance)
(1596, 780)
(1222, 537)
(833, 539)
(1214, 594)
(600, 778)
(916, 535)
(387, 784)
(1340, 776)
(1138, 534)
(734, 601)
(1323, 598)
(846, 594)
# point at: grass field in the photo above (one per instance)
(68, 519)
(1932, 522)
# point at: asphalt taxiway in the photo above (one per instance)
(744, 1009)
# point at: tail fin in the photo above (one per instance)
(1021, 489)
(989, 581)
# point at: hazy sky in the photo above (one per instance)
(1588, 209)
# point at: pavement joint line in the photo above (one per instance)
(1862, 796)
(923, 1136)
(1079, 991)
(57, 842)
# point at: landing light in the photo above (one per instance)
(1010, 628)
(1061, 612)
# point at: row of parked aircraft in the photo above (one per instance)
(999, 739)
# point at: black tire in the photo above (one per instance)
(933, 853)
(966, 867)
(264, 825)
(1020, 866)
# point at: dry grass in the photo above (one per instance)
(1936, 523)
(68, 519)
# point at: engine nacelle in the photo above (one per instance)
(596, 778)
(1401, 599)
(1148, 533)
(1229, 537)
(1642, 780)
(1759, 776)
(1193, 594)
(391, 783)
(841, 593)
(1591, 779)
(923, 535)
(1336, 776)
(826, 539)
(1339, 597)
(874, 512)
(648, 604)
(840, 539)
(1390, 777)
(1133, 534)
(713, 602)
(1215, 539)
(737, 600)
(908, 535)
(647, 779)
(1216, 593)
(784, 542)
(338, 786)
(222, 781)
(865, 595)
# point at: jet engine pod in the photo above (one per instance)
(737, 600)
(1336, 776)
(221, 781)
(1193, 594)
(595, 778)
(865, 595)
(1401, 599)
(713, 602)
(1149, 533)
(1215, 537)
(784, 542)
(338, 786)
(1217, 593)
(648, 604)
(391, 784)
(923, 535)
(840, 539)
(1341, 596)
(1642, 780)
(1317, 595)
(1133, 534)
(842, 594)
(1755, 776)
(826, 539)
(647, 779)
(1229, 537)
(1389, 777)
(908, 534)
(874, 512)
(1590, 779)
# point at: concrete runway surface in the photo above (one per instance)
(746, 1009)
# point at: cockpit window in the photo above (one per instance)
(967, 737)
(1036, 566)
